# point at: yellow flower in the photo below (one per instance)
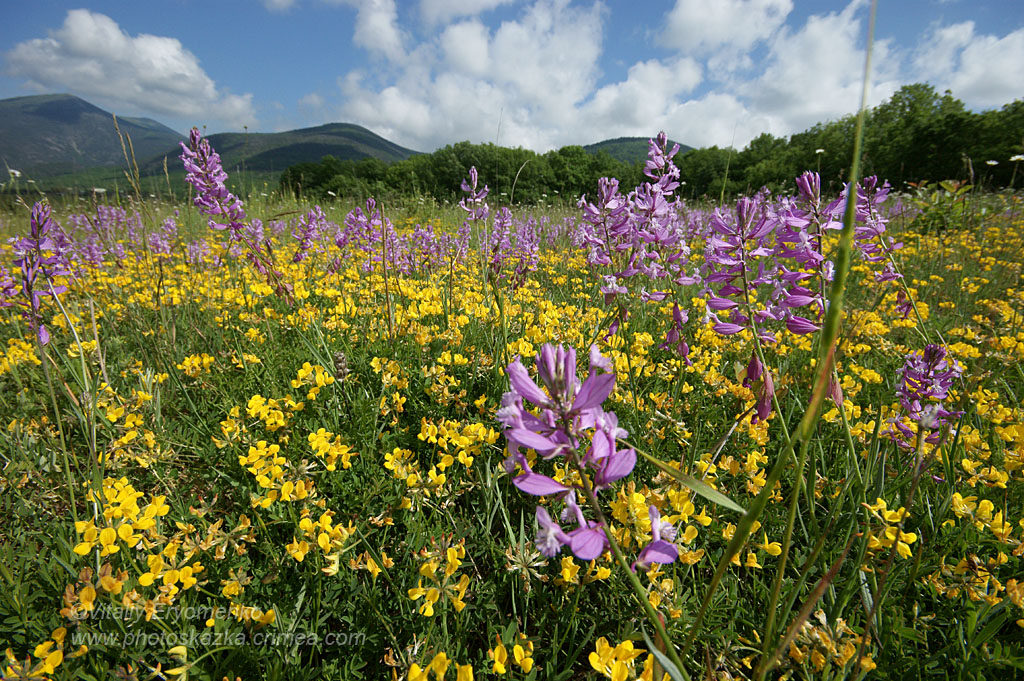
(615, 663)
(523, 656)
(772, 548)
(500, 657)
(429, 596)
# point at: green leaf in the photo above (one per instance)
(673, 671)
(695, 485)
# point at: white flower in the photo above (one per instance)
(992, 162)
(14, 173)
(1016, 157)
(819, 151)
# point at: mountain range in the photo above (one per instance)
(63, 136)
(50, 135)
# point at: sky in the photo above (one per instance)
(538, 74)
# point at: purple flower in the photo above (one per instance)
(569, 413)
(801, 325)
(474, 203)
(41, 261)
(658, 550)
(674, 338)
(550, 537)
(925, 381)
(204, 172)
(588, 541)
(312, 225)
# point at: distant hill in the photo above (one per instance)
(48, 135)
(61, 137)
(628, 149)
(276, 151)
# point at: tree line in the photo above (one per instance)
(916, 135)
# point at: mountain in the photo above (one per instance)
(275, 151)
(628, 149)
(48, 135)
(59, 136)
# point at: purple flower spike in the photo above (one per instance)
(41, 259)
(203, 170)
(926, 379)
(570, 412)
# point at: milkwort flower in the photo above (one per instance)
(569, 414)
(312, 225)
(8, 288)
(474, 202)
(642, 236)
(41, 262)
(925, 382)
(605, 222)
(203, 170)
(161, 243)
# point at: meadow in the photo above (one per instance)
(640, 438)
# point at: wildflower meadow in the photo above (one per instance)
(631, 438)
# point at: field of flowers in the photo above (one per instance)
(641, 439)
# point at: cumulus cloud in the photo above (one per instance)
(466, 48)
(521, 84)
(646, 98)
(91, 56)
(376, 28)
(443, 11)
(815, 73)
(534, 81)
(731, 70)
(982, 70)
(701, 27)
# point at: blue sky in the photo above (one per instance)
(534, 73)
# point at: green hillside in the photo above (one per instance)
(273, 152)
(627, 149)
(47, 135)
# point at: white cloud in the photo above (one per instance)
(650, 91)
(550, 57)
(91, 56)
(376, 28)
(531, 74)
(538, 75)
(815, 73)
(700, 26)
(466, 47)
(982, 70)
(443, 11)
